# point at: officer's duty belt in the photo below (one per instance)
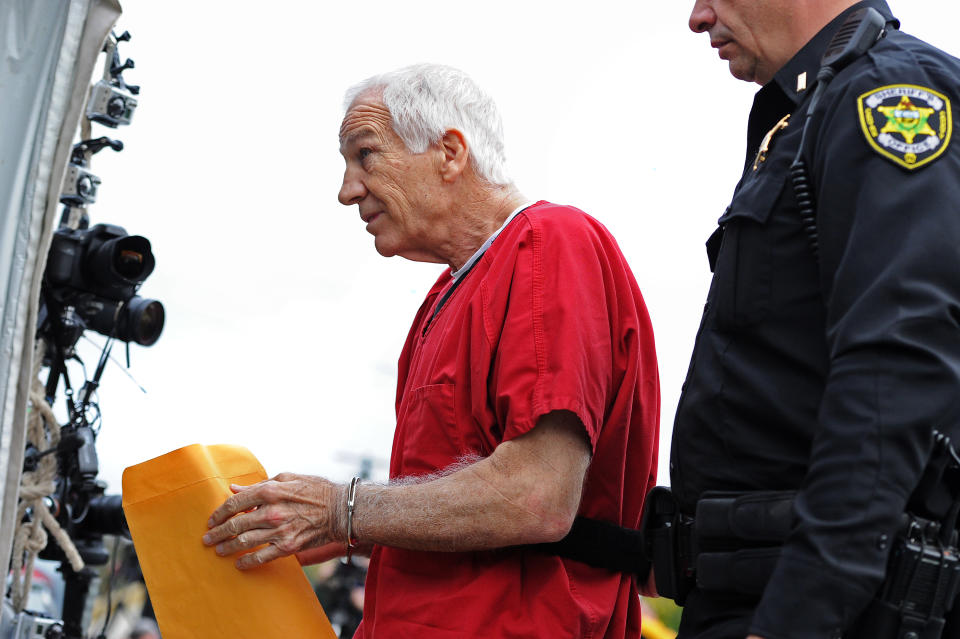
(736, 540)
(732, 543)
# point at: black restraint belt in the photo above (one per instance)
(602, 545)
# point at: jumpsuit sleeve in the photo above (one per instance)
(555, 344)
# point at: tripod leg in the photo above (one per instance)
(77, 586)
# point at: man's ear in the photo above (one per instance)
(456, 155)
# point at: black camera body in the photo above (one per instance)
(103, 260)
(79, 502)
(94, 273)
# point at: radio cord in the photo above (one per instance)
(800, 176)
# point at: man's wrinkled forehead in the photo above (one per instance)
(367, 116)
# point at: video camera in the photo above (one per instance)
(111, 100)
(80, 186)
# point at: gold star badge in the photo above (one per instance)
(907, 120)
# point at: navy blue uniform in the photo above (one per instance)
(827, 374)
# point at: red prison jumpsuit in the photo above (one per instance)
(550, 318)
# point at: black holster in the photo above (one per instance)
(920, 588)
(667, 536)
(919, 596)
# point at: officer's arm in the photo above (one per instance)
(888, 262)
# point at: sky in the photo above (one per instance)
(283, 323)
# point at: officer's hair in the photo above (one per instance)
(426, 100)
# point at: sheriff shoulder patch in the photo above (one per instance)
(907, 124)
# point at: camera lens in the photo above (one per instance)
(85, 187)
(142, 321)
(121, 261)
(139, 320)
(131, 257)
(104, 516)
(116, 107)
(128, 263)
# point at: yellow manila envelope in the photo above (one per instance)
(195, 593)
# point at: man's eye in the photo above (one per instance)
(363, 153)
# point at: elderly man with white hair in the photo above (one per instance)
(527, 392)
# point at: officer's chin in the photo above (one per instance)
(742, 71)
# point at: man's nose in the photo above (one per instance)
(702, 18)
(352, 190)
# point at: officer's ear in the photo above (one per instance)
(456, 155)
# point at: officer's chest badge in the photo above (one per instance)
(907, 124)
(764, 150)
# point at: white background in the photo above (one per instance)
(283, 323)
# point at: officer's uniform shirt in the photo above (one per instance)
(828, 374)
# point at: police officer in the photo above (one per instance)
(829, 350)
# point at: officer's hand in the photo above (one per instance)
(288, 513)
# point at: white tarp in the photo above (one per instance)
(48, 51)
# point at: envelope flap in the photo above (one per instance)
(189, 465)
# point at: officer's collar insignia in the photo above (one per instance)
(907, 124)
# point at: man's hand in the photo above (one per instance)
(290, 513)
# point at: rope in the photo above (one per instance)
(43, 432)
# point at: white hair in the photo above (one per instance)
(426, 100)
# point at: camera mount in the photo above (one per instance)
(116, 69)
(79, 184)
(111, 100)
(83, 150)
